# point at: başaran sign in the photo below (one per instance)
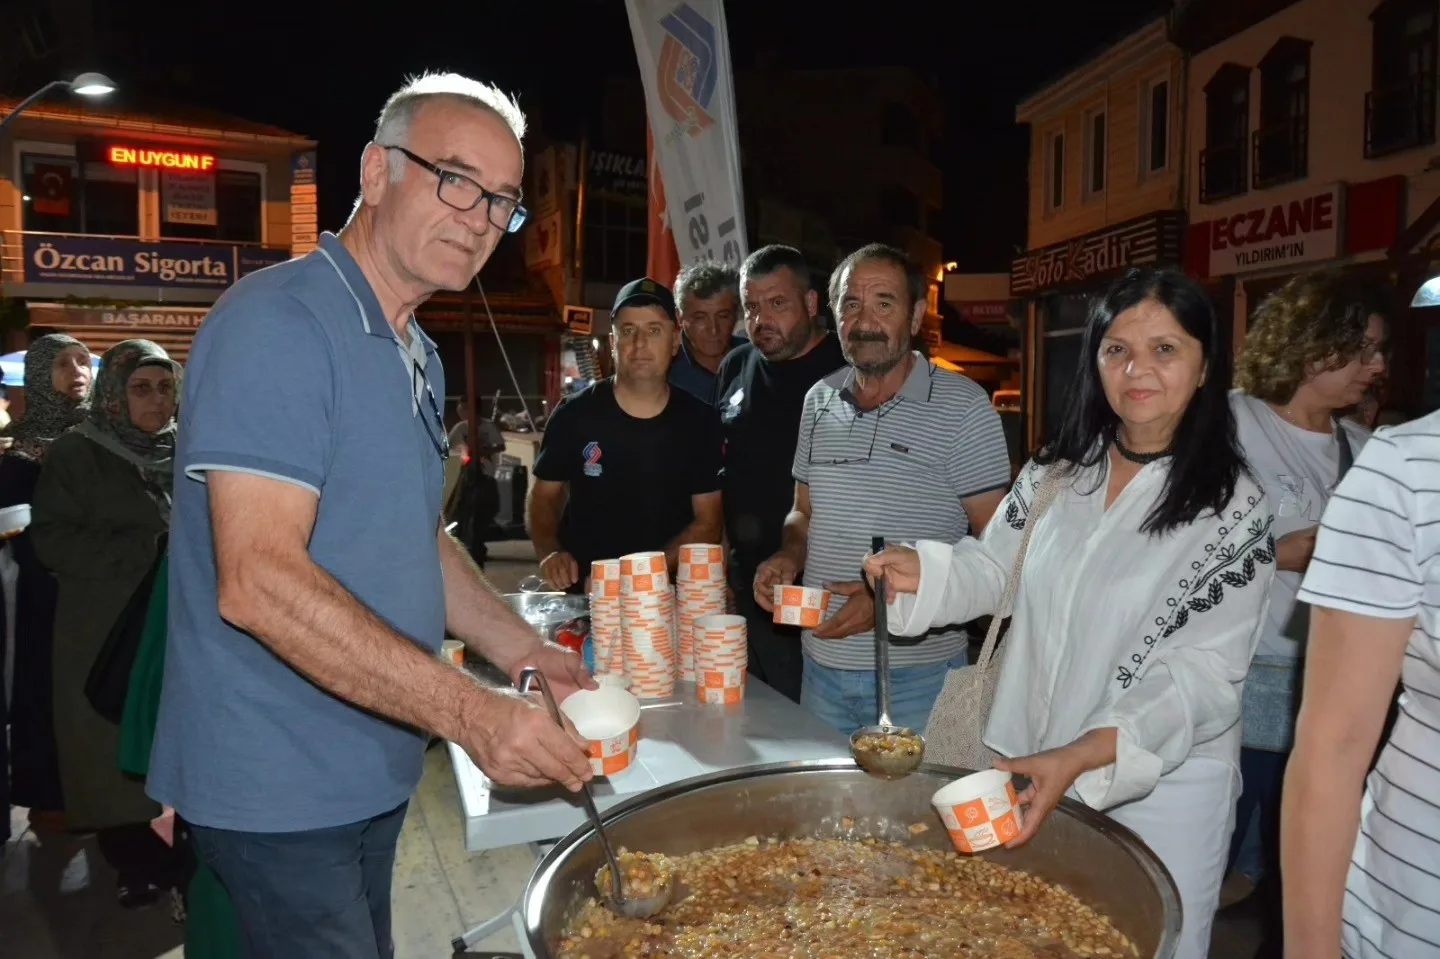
(1278, 234)
(1153, 238)
(66, 316)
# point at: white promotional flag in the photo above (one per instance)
(690, 99)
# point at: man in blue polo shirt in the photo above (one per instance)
(311, 581)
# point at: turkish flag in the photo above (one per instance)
(662, 260)
(50, 188)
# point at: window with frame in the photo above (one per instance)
(57, 198)
(1400, 109)
(1154, 127)
(615, 240)
(239, 208)
(1224, 158)
(1055, 170)
(1282, 144)
(1095, 146)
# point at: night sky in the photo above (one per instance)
(295, 65)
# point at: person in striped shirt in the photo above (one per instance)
(1362, 874)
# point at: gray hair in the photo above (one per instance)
(915, 281)
(393, 127)
(705, 279)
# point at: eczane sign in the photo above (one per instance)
(1278, 234)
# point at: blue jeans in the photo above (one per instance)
(313, 894)
(847, 700)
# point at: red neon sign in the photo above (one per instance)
(161, 159)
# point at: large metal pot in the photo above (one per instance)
(1098, 860)
(562, 618)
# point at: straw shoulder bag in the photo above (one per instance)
(957, 722)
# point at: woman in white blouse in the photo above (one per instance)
(1141, 596)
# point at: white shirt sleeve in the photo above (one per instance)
(964, 581)
(1365, 560)
(1190, 691)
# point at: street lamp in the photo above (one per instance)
(86, 85)
(1429, 294)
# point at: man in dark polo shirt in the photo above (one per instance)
(708, 297)
(311, 581)
(628, 464)
(760, 389)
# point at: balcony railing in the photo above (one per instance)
(1222, 171)
(84, 259)
(1400, 117)
(1281, 152)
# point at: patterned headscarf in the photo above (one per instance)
(48, 412)
(110, 425)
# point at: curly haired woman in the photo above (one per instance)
(1315, 348)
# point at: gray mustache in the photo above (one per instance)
(865, 336)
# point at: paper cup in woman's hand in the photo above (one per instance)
(980, 811)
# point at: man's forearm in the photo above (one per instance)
(542, 521)
(478, 615)
(304, 616)
(1319, 818)
(795, 537)
(700, 530)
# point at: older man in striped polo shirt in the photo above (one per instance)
(890, 446)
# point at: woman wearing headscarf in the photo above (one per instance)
(57, 394)
(101, 508)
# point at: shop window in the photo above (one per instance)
(1055, 171)
(1154, 127)
(239, 206)
(899, 128)
(50, 194)
(1061, 357)
(1282, 144)
(1095, 152)
(900, 207)
(58, 199)
(615, 240)
(1223, 160)
(1400, 108)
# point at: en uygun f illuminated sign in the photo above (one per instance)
(161, 159)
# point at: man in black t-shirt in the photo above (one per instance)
(628, 464)
(760, 390)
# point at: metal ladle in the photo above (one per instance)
(910, 752)
(639, 907)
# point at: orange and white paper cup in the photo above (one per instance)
(800, 605)
(454, 651)
(609, 719)
(980, 811)
(605, 579)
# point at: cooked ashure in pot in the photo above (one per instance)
(833, 897)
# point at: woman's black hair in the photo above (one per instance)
(1207, 460)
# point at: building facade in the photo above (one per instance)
(117, 224)
(1106, 171)
(1311, 144)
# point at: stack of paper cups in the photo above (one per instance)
(699, 591)
(720, 658)
(605, 632)
(647, 623)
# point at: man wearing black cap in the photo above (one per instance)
(627, 464)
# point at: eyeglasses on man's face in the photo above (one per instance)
(458, 191)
